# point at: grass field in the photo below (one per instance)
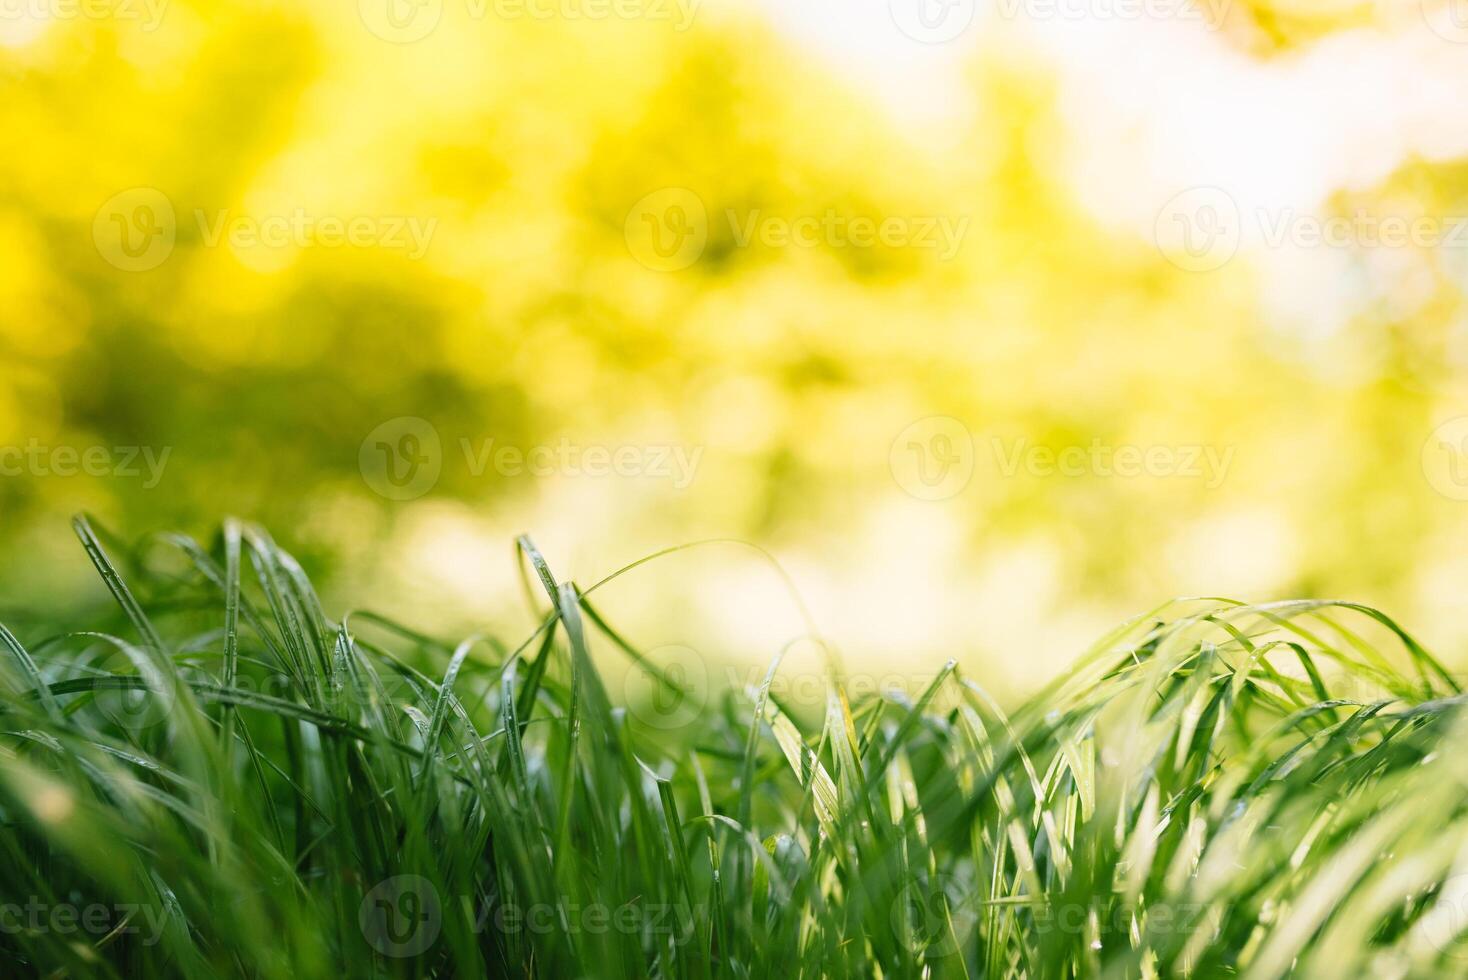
(229, 782)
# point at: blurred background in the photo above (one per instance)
(995, 321)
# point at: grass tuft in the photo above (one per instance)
(225, 781)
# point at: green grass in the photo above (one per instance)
(227, 782)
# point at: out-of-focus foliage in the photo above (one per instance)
(520, 150)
